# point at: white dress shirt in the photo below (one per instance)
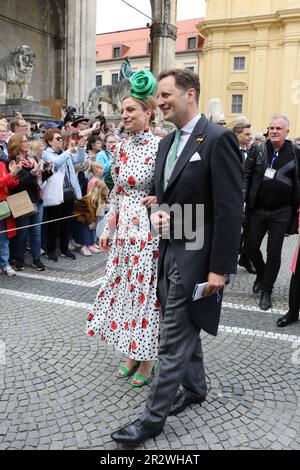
(186, 132)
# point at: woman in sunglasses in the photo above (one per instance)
(66, 189)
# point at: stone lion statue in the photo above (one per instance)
(16, 69)
(112, 94)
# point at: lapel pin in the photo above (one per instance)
(200, 139)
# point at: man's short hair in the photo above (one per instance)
(276, 117)
(184, 79)
(14, 123)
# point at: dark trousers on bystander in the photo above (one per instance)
(275, 222)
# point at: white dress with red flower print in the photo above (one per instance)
(126, 312)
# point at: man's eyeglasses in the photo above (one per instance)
(57, 138)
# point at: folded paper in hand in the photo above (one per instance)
(20, 204)
(198, 291)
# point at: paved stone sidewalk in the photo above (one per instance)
(58, 389)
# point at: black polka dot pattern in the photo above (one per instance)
(126, 312)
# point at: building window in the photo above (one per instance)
(190, 67)
(114, 78)
(98, 80)
(116, 52)
(237, 104)
(239, 63)
(191, 43)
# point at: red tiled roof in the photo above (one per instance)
(134, 42)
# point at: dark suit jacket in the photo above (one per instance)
(215, 181)
(255, 167)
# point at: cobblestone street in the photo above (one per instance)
(59, 390)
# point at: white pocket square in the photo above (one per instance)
(196, 157)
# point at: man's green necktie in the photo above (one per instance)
(174, 149)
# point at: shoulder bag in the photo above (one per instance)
(4, 210)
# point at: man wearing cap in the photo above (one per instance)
(80, 123)
(50, 125)
(271, 186)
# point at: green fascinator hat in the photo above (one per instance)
(143, 84)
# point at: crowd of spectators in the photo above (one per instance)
(58, 163)
(63, 162)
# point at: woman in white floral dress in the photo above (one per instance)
(126, 312)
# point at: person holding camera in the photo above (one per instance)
(66, 189)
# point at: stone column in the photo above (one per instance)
(81, 51)
(163, 35)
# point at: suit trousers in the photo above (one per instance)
(180, 357)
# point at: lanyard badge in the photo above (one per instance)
(270, 172)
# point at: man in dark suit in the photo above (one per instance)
(242, 129)
(198, 168)
(271, 189)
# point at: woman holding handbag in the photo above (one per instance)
(67, 190)
(31, 178)
(8, 181)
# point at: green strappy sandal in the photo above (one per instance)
(144, 380)
(126, 372)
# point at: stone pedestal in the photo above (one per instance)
(31, 110)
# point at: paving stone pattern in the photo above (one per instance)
(58, 389)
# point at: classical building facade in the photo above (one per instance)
(112, 48)
(251, 59)
(62, 35)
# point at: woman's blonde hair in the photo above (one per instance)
(147, 103)
(34, 146)
(99, 194)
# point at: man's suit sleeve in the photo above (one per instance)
(226, 177)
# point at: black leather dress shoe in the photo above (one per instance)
(134, 433)
(285, 320)
(257, 286)
(265, 300)
(182, 401)
(246, 263)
